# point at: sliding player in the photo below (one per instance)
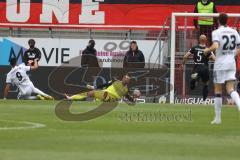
(225, 42)
(18, 76)
(114, 91)
(200, 69)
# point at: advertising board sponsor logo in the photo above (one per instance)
(56, 52)
(193, 100)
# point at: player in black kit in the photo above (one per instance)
(200, 69)
(31, 54)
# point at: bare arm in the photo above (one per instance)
(35, 64)
(213, 57)
(185, 58)
(238, 52)
(213, 48)
(6, 90)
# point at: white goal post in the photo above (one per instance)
(173, 43)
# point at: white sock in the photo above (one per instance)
(37, 91)
(218, 107)
(236, 98)
(31, 98)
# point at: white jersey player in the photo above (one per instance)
(18, 77)
(226, 42)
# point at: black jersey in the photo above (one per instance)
(30, 55)
(198, 55)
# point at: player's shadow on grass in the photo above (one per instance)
(62, 111)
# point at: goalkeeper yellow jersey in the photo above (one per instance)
(117, 89)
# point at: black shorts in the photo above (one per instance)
(203, 72)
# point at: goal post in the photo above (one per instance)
(173, 43)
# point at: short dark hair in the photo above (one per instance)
(13, 61)
(91, 41)
(223, 19)
(31, 41)
(133, 42)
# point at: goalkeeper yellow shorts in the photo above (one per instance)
(104, 96)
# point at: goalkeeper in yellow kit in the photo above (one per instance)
(114, 91)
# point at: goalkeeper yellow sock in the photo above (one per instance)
(40, 97)
(79, 97)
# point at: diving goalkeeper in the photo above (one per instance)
(110, 92)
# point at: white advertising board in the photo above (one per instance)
(56, 52)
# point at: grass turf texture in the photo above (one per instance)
(110, 137)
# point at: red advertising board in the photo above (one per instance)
(97, 13)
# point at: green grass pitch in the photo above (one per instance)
(117, 135)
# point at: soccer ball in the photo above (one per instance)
(136, 93)
(30, 62)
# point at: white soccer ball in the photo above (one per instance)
(30, 62)
(136, 93)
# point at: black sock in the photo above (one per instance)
(192, 84)
(205, 92)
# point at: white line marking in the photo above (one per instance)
(80, 26)
(32, 125)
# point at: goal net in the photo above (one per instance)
(185, 35)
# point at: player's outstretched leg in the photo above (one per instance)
(218, 107)
(32, 98)
(205, 91)
(77, 97)
(192, 84)
(234, 95)
(194, 78)
(100, 95)
(205, 79)
(218, 104)
(42, 95)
